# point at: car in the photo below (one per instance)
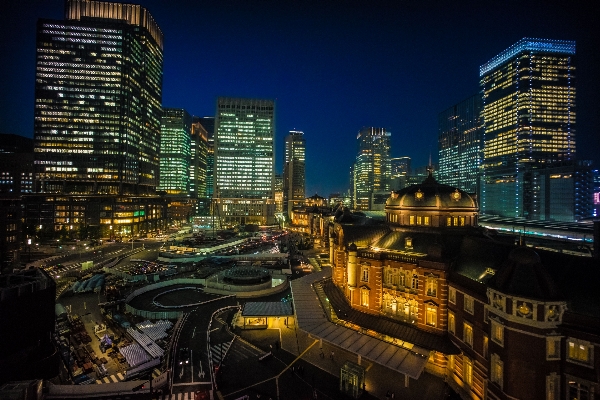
(184, 356)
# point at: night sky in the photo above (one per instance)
(332, 66)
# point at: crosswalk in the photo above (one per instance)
(177, 396)
(219, 351)
(111, 379)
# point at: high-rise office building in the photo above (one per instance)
(244, 160)
(400, 167)
(199, 153)
(175, 152)
(529, 122)
(372, 167)
(278, 194)
(98, 94)
(208, 126)
(460, 145)
(294, 171)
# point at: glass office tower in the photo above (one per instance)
(294, 171)
(529, 122)
(98, 96)
(372, 168)
(244, 160)
(175, 152)
(460, 144)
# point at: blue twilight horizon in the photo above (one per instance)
(331, 67)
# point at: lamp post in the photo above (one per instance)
(111, 232)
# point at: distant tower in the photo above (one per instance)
(529, 122)
(400, 167)
(460, 145)
(175, 153)
(208, 125)
(294, 171)
(244, 161)
(98, 95)
(278, 193)
(372, 167)
(199, 168)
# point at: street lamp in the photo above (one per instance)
(111, 231)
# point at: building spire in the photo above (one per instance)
(430, 166)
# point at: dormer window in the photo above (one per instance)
(408, 244)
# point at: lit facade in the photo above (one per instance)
(206, 156)
(400, 172)
(372, 168)
(491, 317)
(529, 117)
(460, 145)
(294, 170)
(198, 159)
(175, 152)
(102, 216)
(98, 95)
(244, 160)
(278, 193)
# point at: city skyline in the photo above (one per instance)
(404, 66)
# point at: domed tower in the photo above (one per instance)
(431, 204)
(525, 310)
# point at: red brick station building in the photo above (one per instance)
(500, 321)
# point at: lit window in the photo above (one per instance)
(419, 220)
(426, 220)
(451, 323)
(580, 351)
(411, 220)
(497, 332)
(468, 304)
(415, 282)
(497, 370)
(431, 286)
(467, 371)
(365, 274)
(553, 348)
(449, 221)
(431, 315)
(468, 334)
(408, 243)
(452, 295)
(364, 297)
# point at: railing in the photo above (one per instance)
(153, 314)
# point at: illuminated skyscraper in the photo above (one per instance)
(529, 122)
(199, 159)
(208, 126)
(98, 95)
(244, 160)
(400, 172)
(460, 143)
(372, 168)
(294, 171)
(175, 152)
